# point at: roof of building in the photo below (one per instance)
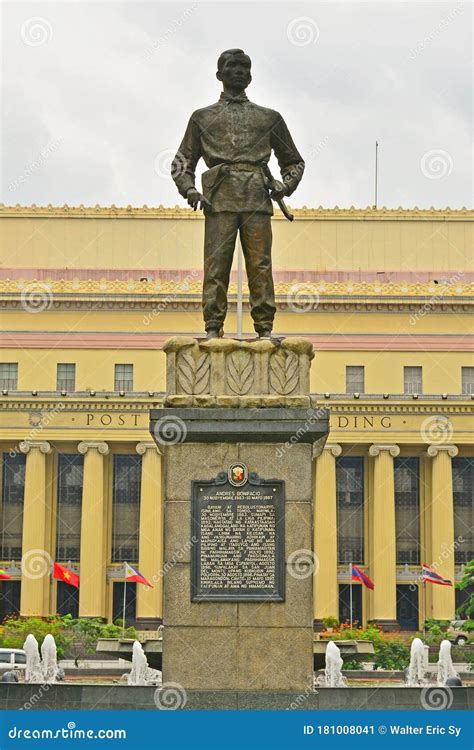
(370, 212)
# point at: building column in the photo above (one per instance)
(93, 531)
(325, 586)
(383, 569)
(150, 601)
(441, 510)
(36, 560)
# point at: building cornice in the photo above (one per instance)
(46, 402)
(368, 404)
(399, 404)
(106, 294)
(175, 212)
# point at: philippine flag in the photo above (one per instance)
(358, 575)
(132, 574)
(431, 576)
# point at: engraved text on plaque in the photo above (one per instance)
(239, 528)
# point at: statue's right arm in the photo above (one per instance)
(184, 163)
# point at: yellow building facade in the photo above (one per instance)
(88, 297)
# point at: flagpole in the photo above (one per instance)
(424, 607)
(124, 605)
(376, 172)
(350, 595)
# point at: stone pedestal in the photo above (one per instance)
(238, 402)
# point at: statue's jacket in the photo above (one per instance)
(235, 137)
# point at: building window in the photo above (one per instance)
(130, 604)
(350, 509)
(9, 376)
(67, 601)
(355, 379)
(9, 598)
(463, 497)
(467, 380)
(412, 380)
(345, 603)
(407, 606)
(124, 377)
(66, 377)
(13, 491)
(126, 508)
(69, 508)
(407, 510)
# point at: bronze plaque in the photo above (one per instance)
(238, 523)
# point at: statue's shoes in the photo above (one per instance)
(212, 333)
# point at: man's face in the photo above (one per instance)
(235, 73)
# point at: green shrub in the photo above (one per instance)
(15, 630)
(330, 622)
(442, 625)
(352, 664)
(393, 654)
(467, 584)
(72, 637)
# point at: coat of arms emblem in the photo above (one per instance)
(238, 474)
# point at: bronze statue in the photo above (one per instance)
(235, 138)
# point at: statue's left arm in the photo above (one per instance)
(289, 158)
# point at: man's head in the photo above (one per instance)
(233, 69)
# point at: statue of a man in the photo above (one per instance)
(235, 138)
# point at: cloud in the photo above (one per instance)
(115, 83)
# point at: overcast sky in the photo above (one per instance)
(96, 96)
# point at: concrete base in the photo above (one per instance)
(122, 697)
(148, 623)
